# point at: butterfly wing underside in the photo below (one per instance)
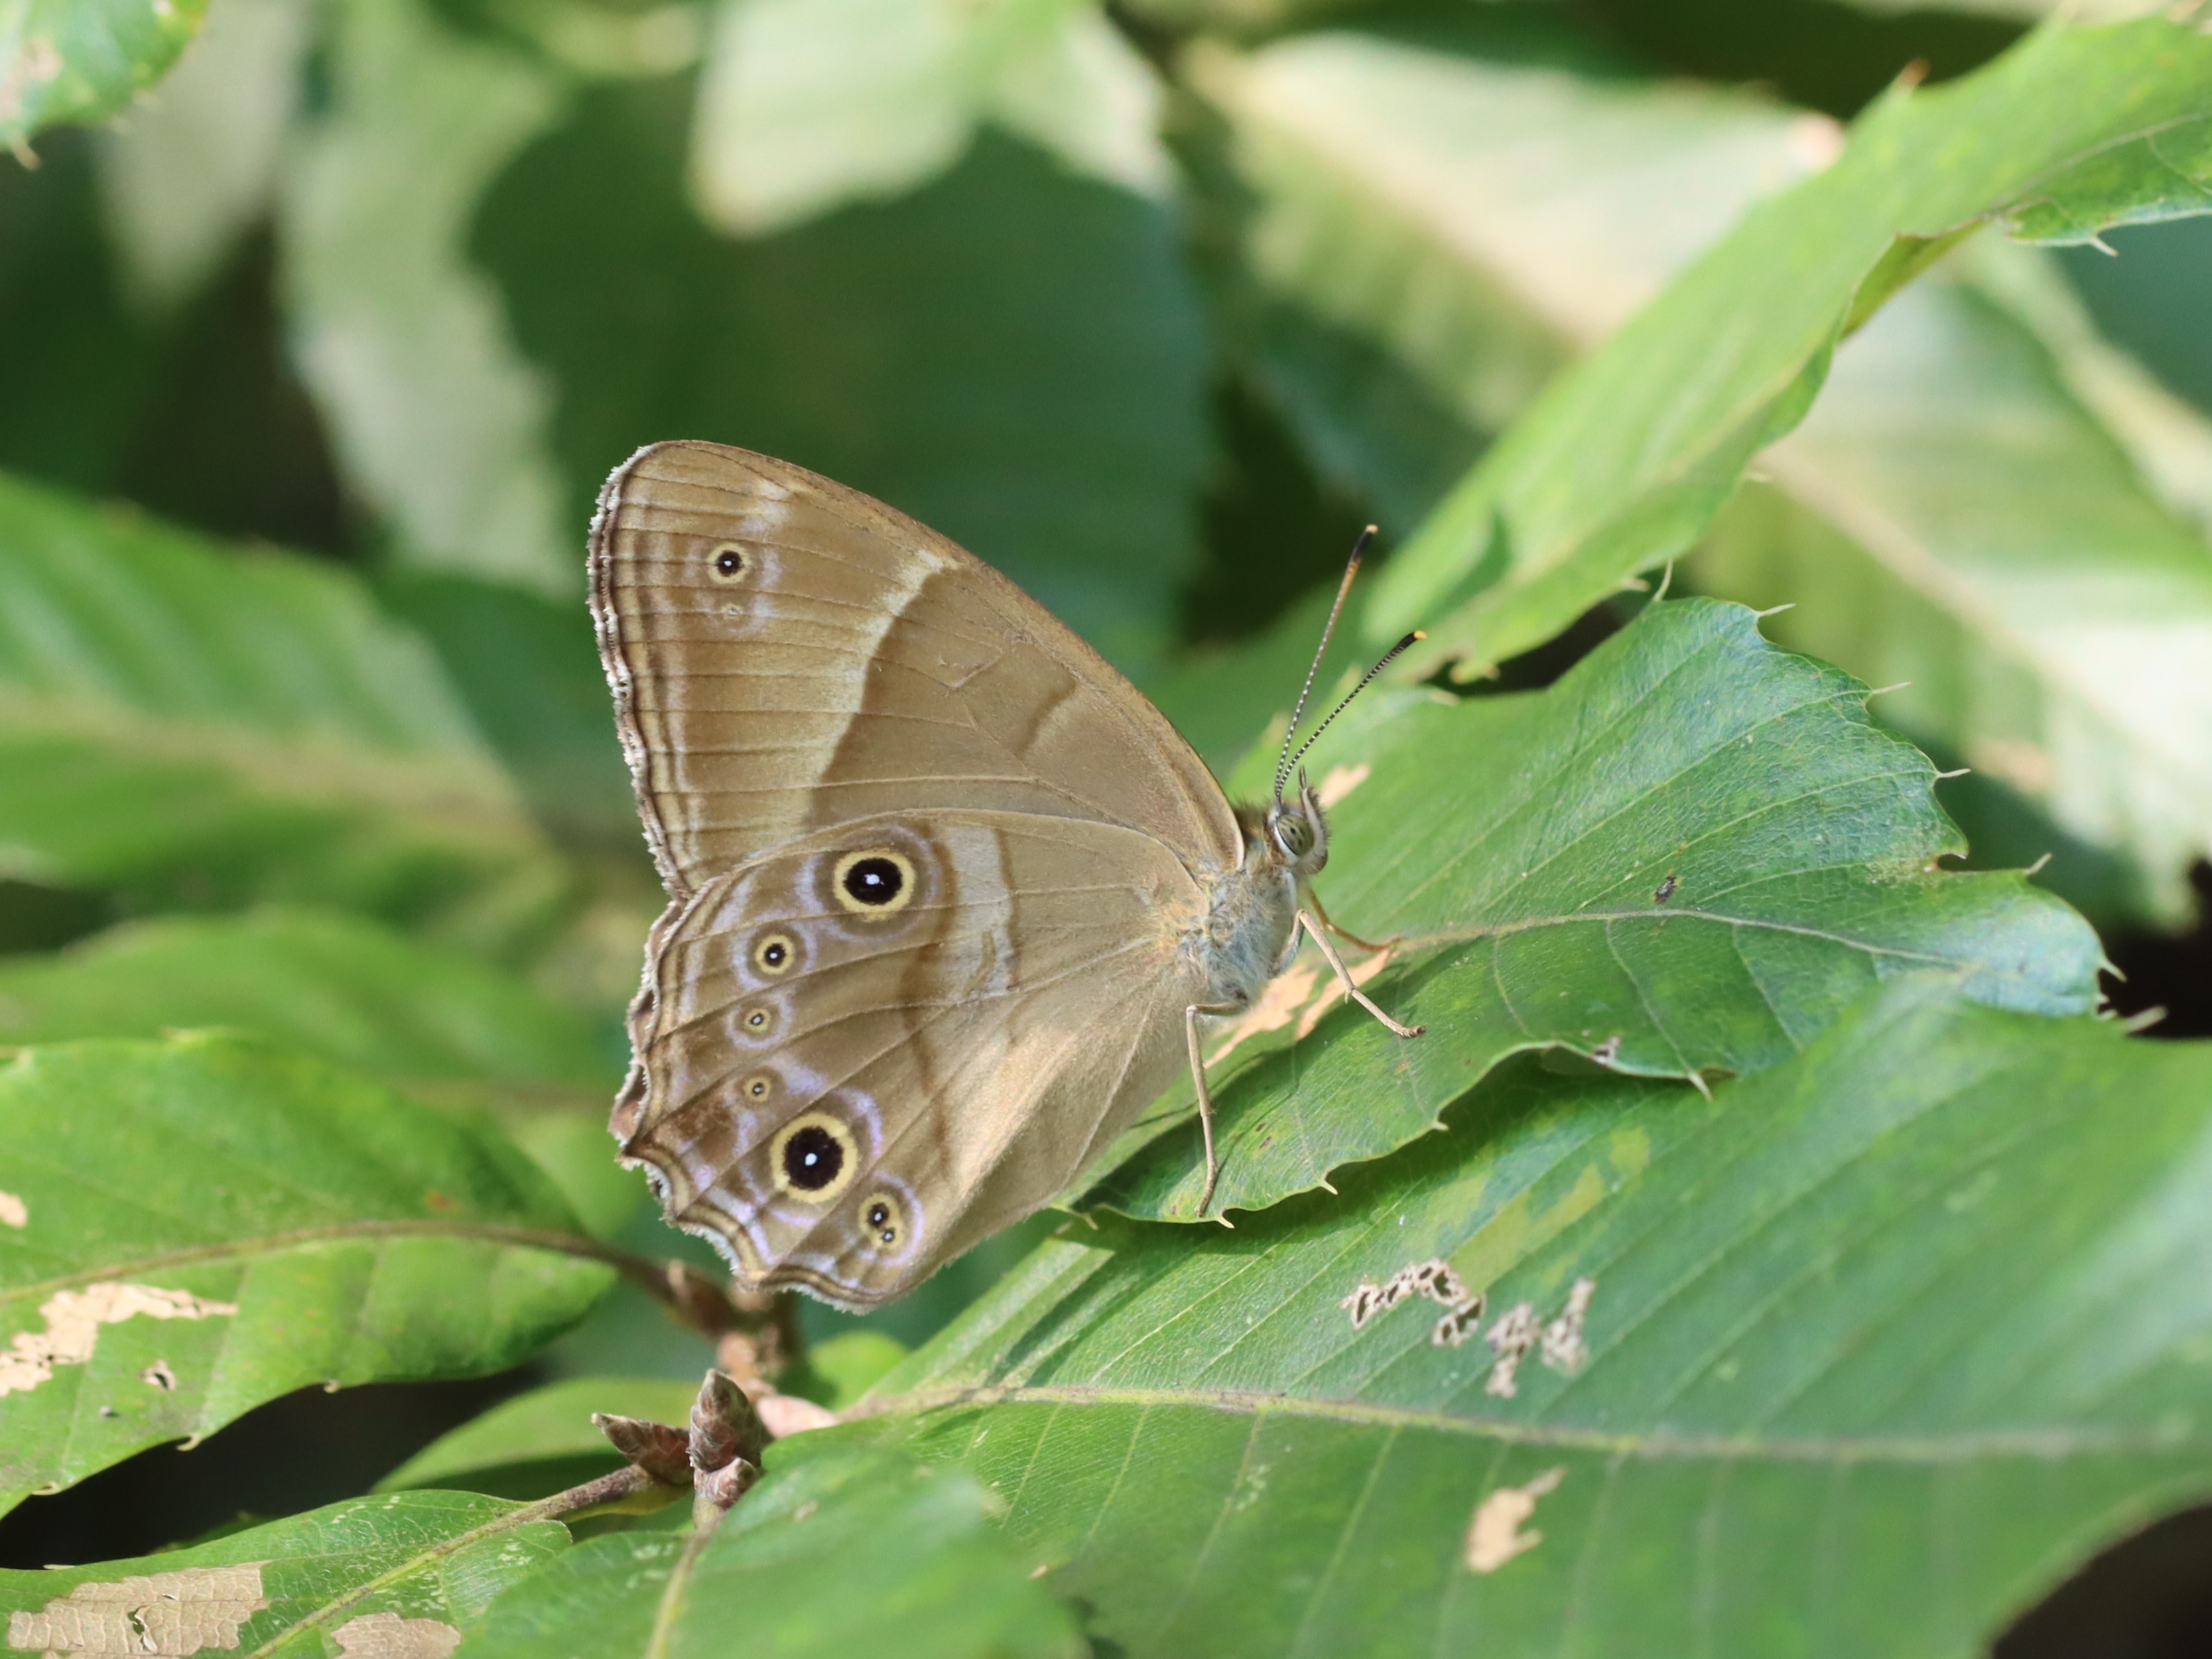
(847, 1088)
(850, 1095)
(787, 654)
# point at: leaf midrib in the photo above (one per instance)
(271, 1243)
(1924, 1448)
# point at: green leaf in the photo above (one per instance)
(1952, 516)
(1431, 225)
(78, 60)
(1878, 1344)
(1014, 357)
(192, 724)
(542, 1442)
(1625, 459)
(194, 169)
(339, 988)
(1686, 857)
(440, 426)
(806, 105)
(834, 1554)
(395, 1576)
(196, 1227)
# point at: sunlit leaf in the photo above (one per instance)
(1432, 225)
(1625, 459)
(1951, 516)
(1872, 1345)
(440, 424)
(1686, 857)
(808, 104)
(193, 1227)
(77, 60)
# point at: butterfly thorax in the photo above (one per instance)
(1250, 931)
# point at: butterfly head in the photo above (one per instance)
(1297, 832)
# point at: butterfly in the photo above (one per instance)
(948, 897)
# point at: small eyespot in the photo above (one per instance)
(758, 1021)
(875, 882)
(758, 1086)
(814, 1158)
(773, 953)
(885, 1217)
(727, 562)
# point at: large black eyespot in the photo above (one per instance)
(874, 882)
(812, 1158)
(729, 563)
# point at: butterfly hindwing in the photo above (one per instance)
(863, 1051)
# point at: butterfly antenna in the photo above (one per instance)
(1351, 569)
(1366, 680)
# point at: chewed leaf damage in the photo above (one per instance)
(73, 1319)
(164, 1614)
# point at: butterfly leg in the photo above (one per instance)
(1344, 934)
(1350, 989)
(1204, 1096)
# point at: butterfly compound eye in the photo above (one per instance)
(728, 562)
(878, 882)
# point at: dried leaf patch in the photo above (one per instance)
(73, 1319)
(388, 1636)
(1495, 1536)
(162, 1613)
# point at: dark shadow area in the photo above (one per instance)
(2147, 1597)
(228, 440)
(39, 918)
(2172, 971)
(195, 415)
(298, 1453)
(1274, 529)
(1825, 55)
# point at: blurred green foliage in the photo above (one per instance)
(316, 341)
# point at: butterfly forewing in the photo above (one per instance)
(788, 653)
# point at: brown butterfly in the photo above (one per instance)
(947, 895)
